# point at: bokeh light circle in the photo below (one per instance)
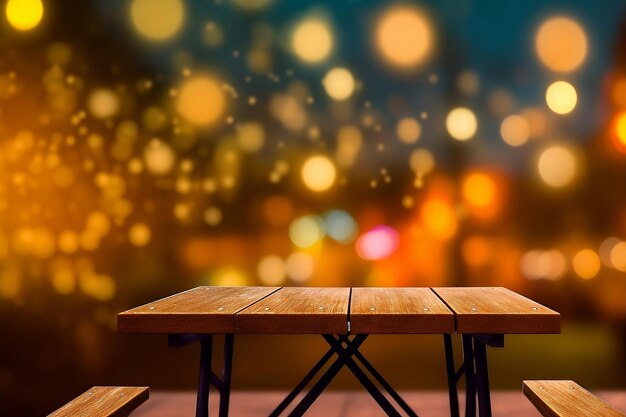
(318, 173)
(557, 166)
(157, 20)
(306, 231)
(515, 130)
(408, 130)
(403, 36)
(24, 15)
(200, 100)
(378, 243)
(339, 83)
(340, 226)
(461, 123)
(312, 40)
(561, 97)
(561, 44)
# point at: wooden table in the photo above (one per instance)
(345, 317)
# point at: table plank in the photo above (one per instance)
(399, 310)
(199, 310)
(104, 401)
(495, 310)
(566, 399)
(295, 310)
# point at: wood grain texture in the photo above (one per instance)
(397, 311)
(104, 402)
(294, 310)
(199, 310)
(566, 399)
(494, 310)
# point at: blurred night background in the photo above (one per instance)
(150, 146)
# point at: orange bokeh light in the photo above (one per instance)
(619, 132)
(482, 194)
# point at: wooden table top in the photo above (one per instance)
(323, 310)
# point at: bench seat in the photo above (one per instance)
(104, 401)
(566, 399)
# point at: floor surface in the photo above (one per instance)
(343, 404)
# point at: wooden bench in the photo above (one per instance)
(566, 399)
(104, 402)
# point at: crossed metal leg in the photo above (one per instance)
(347, 350)
(207, 377)
(474, 368)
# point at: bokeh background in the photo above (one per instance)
(150, 146)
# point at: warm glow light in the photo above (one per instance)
(318, 173)
(378, 243)
(515, 130)
(408, 130)
(339, 83)
(159, 157)
(103, 103)
(300, 266)
(306, 231)
(229, 277)
(586, 264)
(312, 40)
(139, 234)
(200, 100)
(557, 166)
(476, 251)
(550, 264)
(561, 97)
(422, 161)
(618, 256)
(271, 270)
(619, 134)
(24, 14)
(479, 190)
(403, 36)
(561, 44)
(439, 218)
(461, 123)
(157, 20)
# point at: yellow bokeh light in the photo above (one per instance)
(157, 20)
(561, 97)
(318, 173)
(339, 83)
(403, 36)
(312, 40)
(24, 15)
(408, 130)
(250, 136)
(422, 161)
(159, 157)
(271, 270)
(139, 234)
(461, 123)
(103, 103)
(439, 218)
(200, 100)
(300, 266)
(561, 44)
(306, 231)
(557, 166)
(479, 190)
(515, 130)
(586, 264)
(229, 277)
(618, 256)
